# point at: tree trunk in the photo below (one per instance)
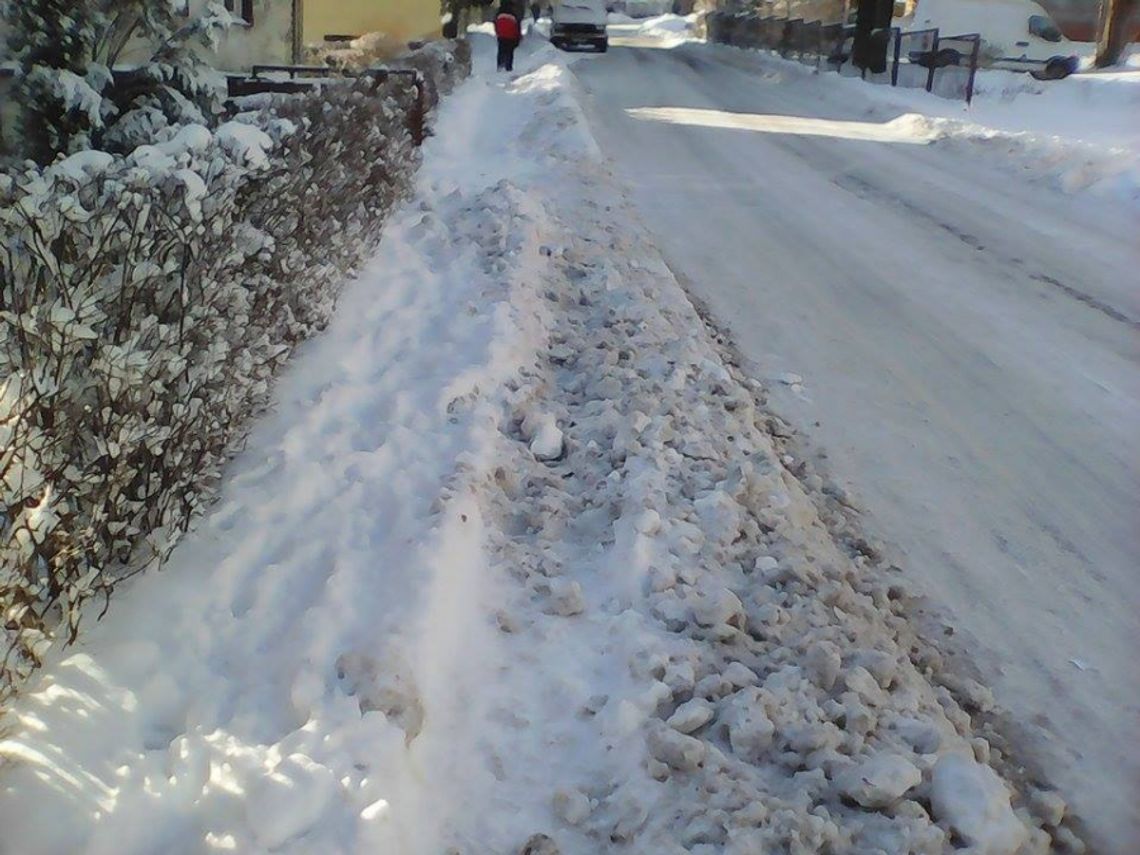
(1116, 30)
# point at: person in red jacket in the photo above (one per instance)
(508, 31)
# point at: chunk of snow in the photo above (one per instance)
(566, 597)
(750, 731)
(973, 800)
(676, 750)
(691, 715)
(880, 780)
(374, 811)
(1050, 806)
(153, 159)
(571, 806)
(740, 675)
(719, 607)
(860, 681)
(547, 442)
(648, 522)
(824, 662)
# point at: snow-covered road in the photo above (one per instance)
(968, 342)
(517, 564)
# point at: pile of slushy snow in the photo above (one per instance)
(518, 565)
(755, 684)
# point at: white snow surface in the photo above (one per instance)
(247, 142)
(401, 631)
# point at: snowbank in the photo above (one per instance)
(1094, 109)
(1079, 135)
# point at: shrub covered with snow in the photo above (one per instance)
(73, 88)
(145, 302)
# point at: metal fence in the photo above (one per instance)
(300, 78)
(955, 66)
(923, 59)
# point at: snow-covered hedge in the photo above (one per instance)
(145, 303)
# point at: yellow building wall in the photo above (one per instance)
(401, 19)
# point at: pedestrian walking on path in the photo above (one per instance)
(508, 31)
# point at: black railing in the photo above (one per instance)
(301, 78)
(944, 65)
(304, 78)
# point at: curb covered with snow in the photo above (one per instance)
(516, 559)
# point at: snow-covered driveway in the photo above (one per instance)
(968, 342)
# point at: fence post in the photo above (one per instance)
(973, 69)
(897, 32)
(419, 117)
(933, 63)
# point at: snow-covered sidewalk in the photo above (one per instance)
(517, 560)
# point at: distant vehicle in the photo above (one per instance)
(579, 23)
(1017, 35)
(1079, 20)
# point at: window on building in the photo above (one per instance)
(242, 8)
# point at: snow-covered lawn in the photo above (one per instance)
(1081, 133)
(517, 553)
